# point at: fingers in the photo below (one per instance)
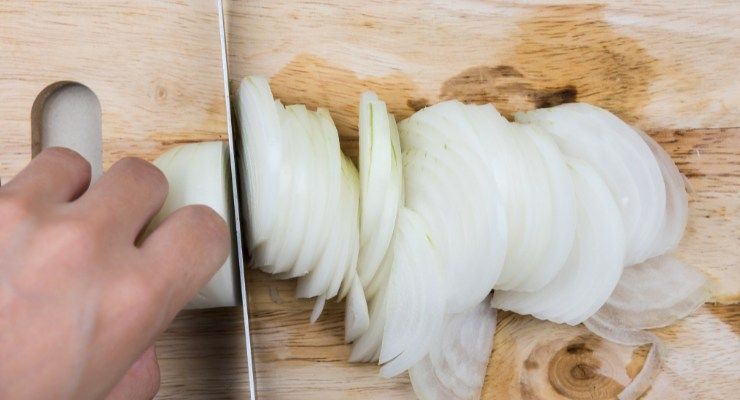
(141, 381)
(185, 251)
(127, 196)
(56, 175)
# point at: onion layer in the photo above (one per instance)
(456, 365)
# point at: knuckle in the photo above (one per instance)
(146, 173)
(143, 169)
(64, 153)
(69, 158)
(208, 220)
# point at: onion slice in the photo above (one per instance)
(610, 330)
(654, 294)
(415, 306)
(622, 158)
(356, 317)
(594, 265)
(447, 183)
(677, 201)
(261, 157)
(380, 183)
(456, 365)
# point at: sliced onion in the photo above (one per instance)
(415, 309)
(281, 259)
(563, 216)
(623, 160)
(380, 182)
(677, 202)
(331, 267)
(456, 365)
(612, 331)
(356, 317)
(316, 229)
(654, 294)
(198, 174)
(594, 265)
(261, 157)
(521, 175)
(352, 182)
(447, 183)
(318, 308)
(367, 346)
(381, 277)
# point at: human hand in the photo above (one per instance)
(81, 301)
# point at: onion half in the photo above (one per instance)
(198, 174)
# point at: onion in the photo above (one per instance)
(415, 309)
(594, 265)
(456, 365)
(313, 192)
(380, 183)
(650, 369)
(654, 294)
(356, 316)
(621, 157)
(366, 348)
(535, 208)
(677, 202)
(261, 157)
(447, 183)
(198, 174)
(456, 201)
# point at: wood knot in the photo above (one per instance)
(582, 371)
(577, 371)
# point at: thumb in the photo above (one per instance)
(141, 381)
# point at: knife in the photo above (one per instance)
(235, 196)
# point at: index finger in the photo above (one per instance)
(184, 252)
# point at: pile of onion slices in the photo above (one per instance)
(567, 214)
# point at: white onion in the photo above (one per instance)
(366, 348)
(198, 174)
(456, 365)
(415, 308)
(594, 265)
(520, 172)
(623, 160)
(610, 330)
(447, 184)
(677, 202)
(356, 316)
(316, 230)
(380, 183)
(654, 294)
(261, 157)
(454, 202)
(311, 196)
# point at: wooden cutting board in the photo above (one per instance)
(671, 69)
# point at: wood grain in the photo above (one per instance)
(669, 69)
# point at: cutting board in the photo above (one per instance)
(670, 69)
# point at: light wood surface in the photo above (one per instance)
(668, 68)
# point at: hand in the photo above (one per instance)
(81, 301)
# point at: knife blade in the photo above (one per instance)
(235, 196)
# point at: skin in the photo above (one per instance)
(81, 299)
